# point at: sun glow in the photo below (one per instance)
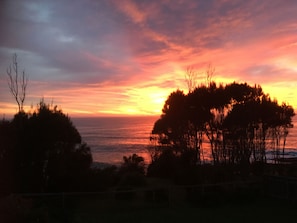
(134, 99)
(132, 55)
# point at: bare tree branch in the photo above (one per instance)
(209, 74)
(17, 84)
(191, 77)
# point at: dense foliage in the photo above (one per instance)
(239, 122)
(42, 152)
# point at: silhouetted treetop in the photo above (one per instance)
(175, 104)
(236, 118)
(243, 92)
(44, 151)
(55, 125)
(133, 164)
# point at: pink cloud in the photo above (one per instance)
(103, 56)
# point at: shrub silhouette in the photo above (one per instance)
(45, 151)
(163, 166)
(132, 171)
(133, 163)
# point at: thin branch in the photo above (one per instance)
(191, 78)
(209, 74)
(17, 85)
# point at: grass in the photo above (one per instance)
(159, 201)
(93, 209)
(260, 211)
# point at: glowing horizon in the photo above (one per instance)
(125, 57)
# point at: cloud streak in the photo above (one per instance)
(108, 57)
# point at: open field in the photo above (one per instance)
(260, 211)
(178, 204)
(263, 211)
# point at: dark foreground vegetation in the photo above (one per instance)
(240, 123)
(46, 172)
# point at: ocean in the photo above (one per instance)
(111, 138)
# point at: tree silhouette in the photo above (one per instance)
(239, 121)
(198, 113)
(264, 126)
(46, 151)
(6, 156)
(171, 126)
(17, 83)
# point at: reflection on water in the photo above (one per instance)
(111, 138)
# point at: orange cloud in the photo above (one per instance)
(126, 57)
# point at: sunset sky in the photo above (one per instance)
(118, 57)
